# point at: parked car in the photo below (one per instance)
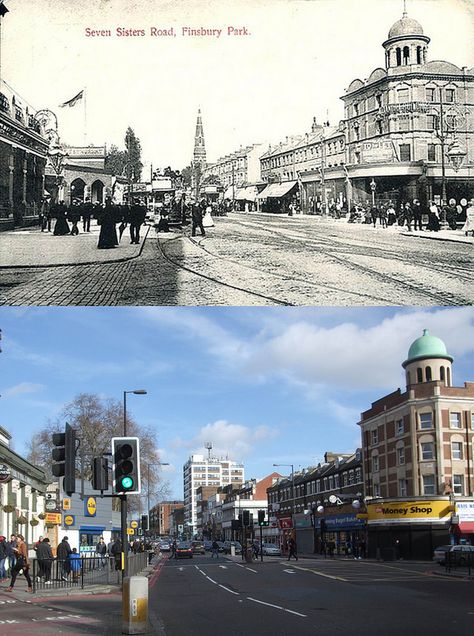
(184, 550)
(207, 545)
(459, 554)
(228, 544)
(221, 545)
(198, 547)
(271, 549)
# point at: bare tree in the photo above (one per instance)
(96, 421)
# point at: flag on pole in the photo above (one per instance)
(3, 9)
(74, 100)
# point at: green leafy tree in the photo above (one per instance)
(116, 161)
(133, 152)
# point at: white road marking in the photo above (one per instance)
(226, 588)
(180, 569)
(224, 567)
(327, 576)
(252, 570)
(255, 600)
(211, 580)
(289, 571)
(240, 565)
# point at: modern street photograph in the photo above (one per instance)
(270, 152)
(197, 470)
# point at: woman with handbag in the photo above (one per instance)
(21, 553)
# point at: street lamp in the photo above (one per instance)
(373, 187)
(123, 498)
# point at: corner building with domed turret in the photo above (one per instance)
(408, 123)
(418, 448)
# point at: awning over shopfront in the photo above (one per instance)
(466, 527)
(248, 193)
(230, 192)
(276, 190)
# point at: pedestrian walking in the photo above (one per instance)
(331, 548)
(116, 553)
(215, 550)
(61, 227)
(74, 216)
(469, 224)
(197, 220)
(408, 214)
(63, 551)
(11, 555)
(374, 213)
(417, 215)
(45, 215)
(433, 218)
(391, 214)
(87, 210)
(292, 549)
(101, 552)
(44, 554)
(21, 564)
(3, 558)
(137, 218)
(108, 233)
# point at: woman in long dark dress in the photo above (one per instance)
(61, 227)
(108, 232)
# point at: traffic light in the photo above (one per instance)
(126, 467)
(145, 523)
(261, 518)
(64, 458)
(100, 473)
(246, 518)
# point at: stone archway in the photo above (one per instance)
(97, 191)
(77, 190)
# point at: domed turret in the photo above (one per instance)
(427, 361)
(406, 44)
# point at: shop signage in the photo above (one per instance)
(5, 473)
(465, 510)
(52, 518)
(340, 522)
(285, 522)
(69, 520)
(412, 511)
(130, 531)
(303, 521)
(90, 507)
(134, 524)
(377, 151)
(66, 504)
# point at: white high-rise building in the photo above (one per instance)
(206, 471)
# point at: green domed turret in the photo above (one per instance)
(427, 347)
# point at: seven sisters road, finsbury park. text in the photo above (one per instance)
(168, 32)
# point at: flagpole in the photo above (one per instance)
(85, 118)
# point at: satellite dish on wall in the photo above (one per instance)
(333, 499)
(320, 509)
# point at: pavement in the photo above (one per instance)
(31, 248)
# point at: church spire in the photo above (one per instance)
(199, 156)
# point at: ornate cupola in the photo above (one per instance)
(428, 361)
(406, 44)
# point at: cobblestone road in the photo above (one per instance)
(257, 260)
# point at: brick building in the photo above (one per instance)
(418, 457)
(160, 523)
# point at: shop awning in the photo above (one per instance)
(276, 190)
(249, 193)
(466, 527)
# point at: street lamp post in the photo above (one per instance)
(373, 187)
(123, 498)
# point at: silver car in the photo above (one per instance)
(270, 549)
(459, 554)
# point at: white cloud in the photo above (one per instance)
(233, 440)
(22, 388)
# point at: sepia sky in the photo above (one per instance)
(295, 62)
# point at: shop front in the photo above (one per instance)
(463, 530)
(277, 197)
(408, 529)
(304, 533)
(345, 533)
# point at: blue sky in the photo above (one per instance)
(264, 385)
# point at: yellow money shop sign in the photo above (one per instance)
(408, 511)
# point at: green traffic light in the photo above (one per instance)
(127, 483)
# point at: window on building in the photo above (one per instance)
(428, 374)
(472, 420)
(376, 490)
(442, 374)
(405, 152)
(351, 477)
(456, 450)
(356, 109)
(406, 55)
(375, 463)
(402, 487)
(419, 375)
(356, 133)
(432, 122)
(458, 484)
(336, 481)
(399, 56)
(403, 123)
(426, 420)
(399, 427)
(431, 152)
(450, 122)
(450, 95)
(402, 95)
(430, 94)
(401, 456)
(455, 420)
(357, 157)
(418, 54)
(429, 485)
(378, 99)
(374, 436)
(427, 451)
(331, 483)
(358, 475)
(379, 126)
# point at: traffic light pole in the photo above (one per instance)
(123, 515)
(261, 544)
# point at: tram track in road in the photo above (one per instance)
(320, 246)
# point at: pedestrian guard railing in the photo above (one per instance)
(463, 562)
(84, 571)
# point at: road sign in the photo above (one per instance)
(66, 504)
(50, 505)
(69, 520)
(90, 507)
(134, 524)
(130, 531)
(52, 518)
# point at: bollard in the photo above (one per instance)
(135, 605)
(232, 550)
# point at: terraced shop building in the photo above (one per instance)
(417, 450)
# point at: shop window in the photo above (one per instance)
(455, 420)
(430, 94)
(419, 375)
(399, 427)
(458, 484)
(427, 451)
(401, 456)
(405, 152)
(429, 485)
(431, 152)
(426, 420)
(456, 450)
(428, 374)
